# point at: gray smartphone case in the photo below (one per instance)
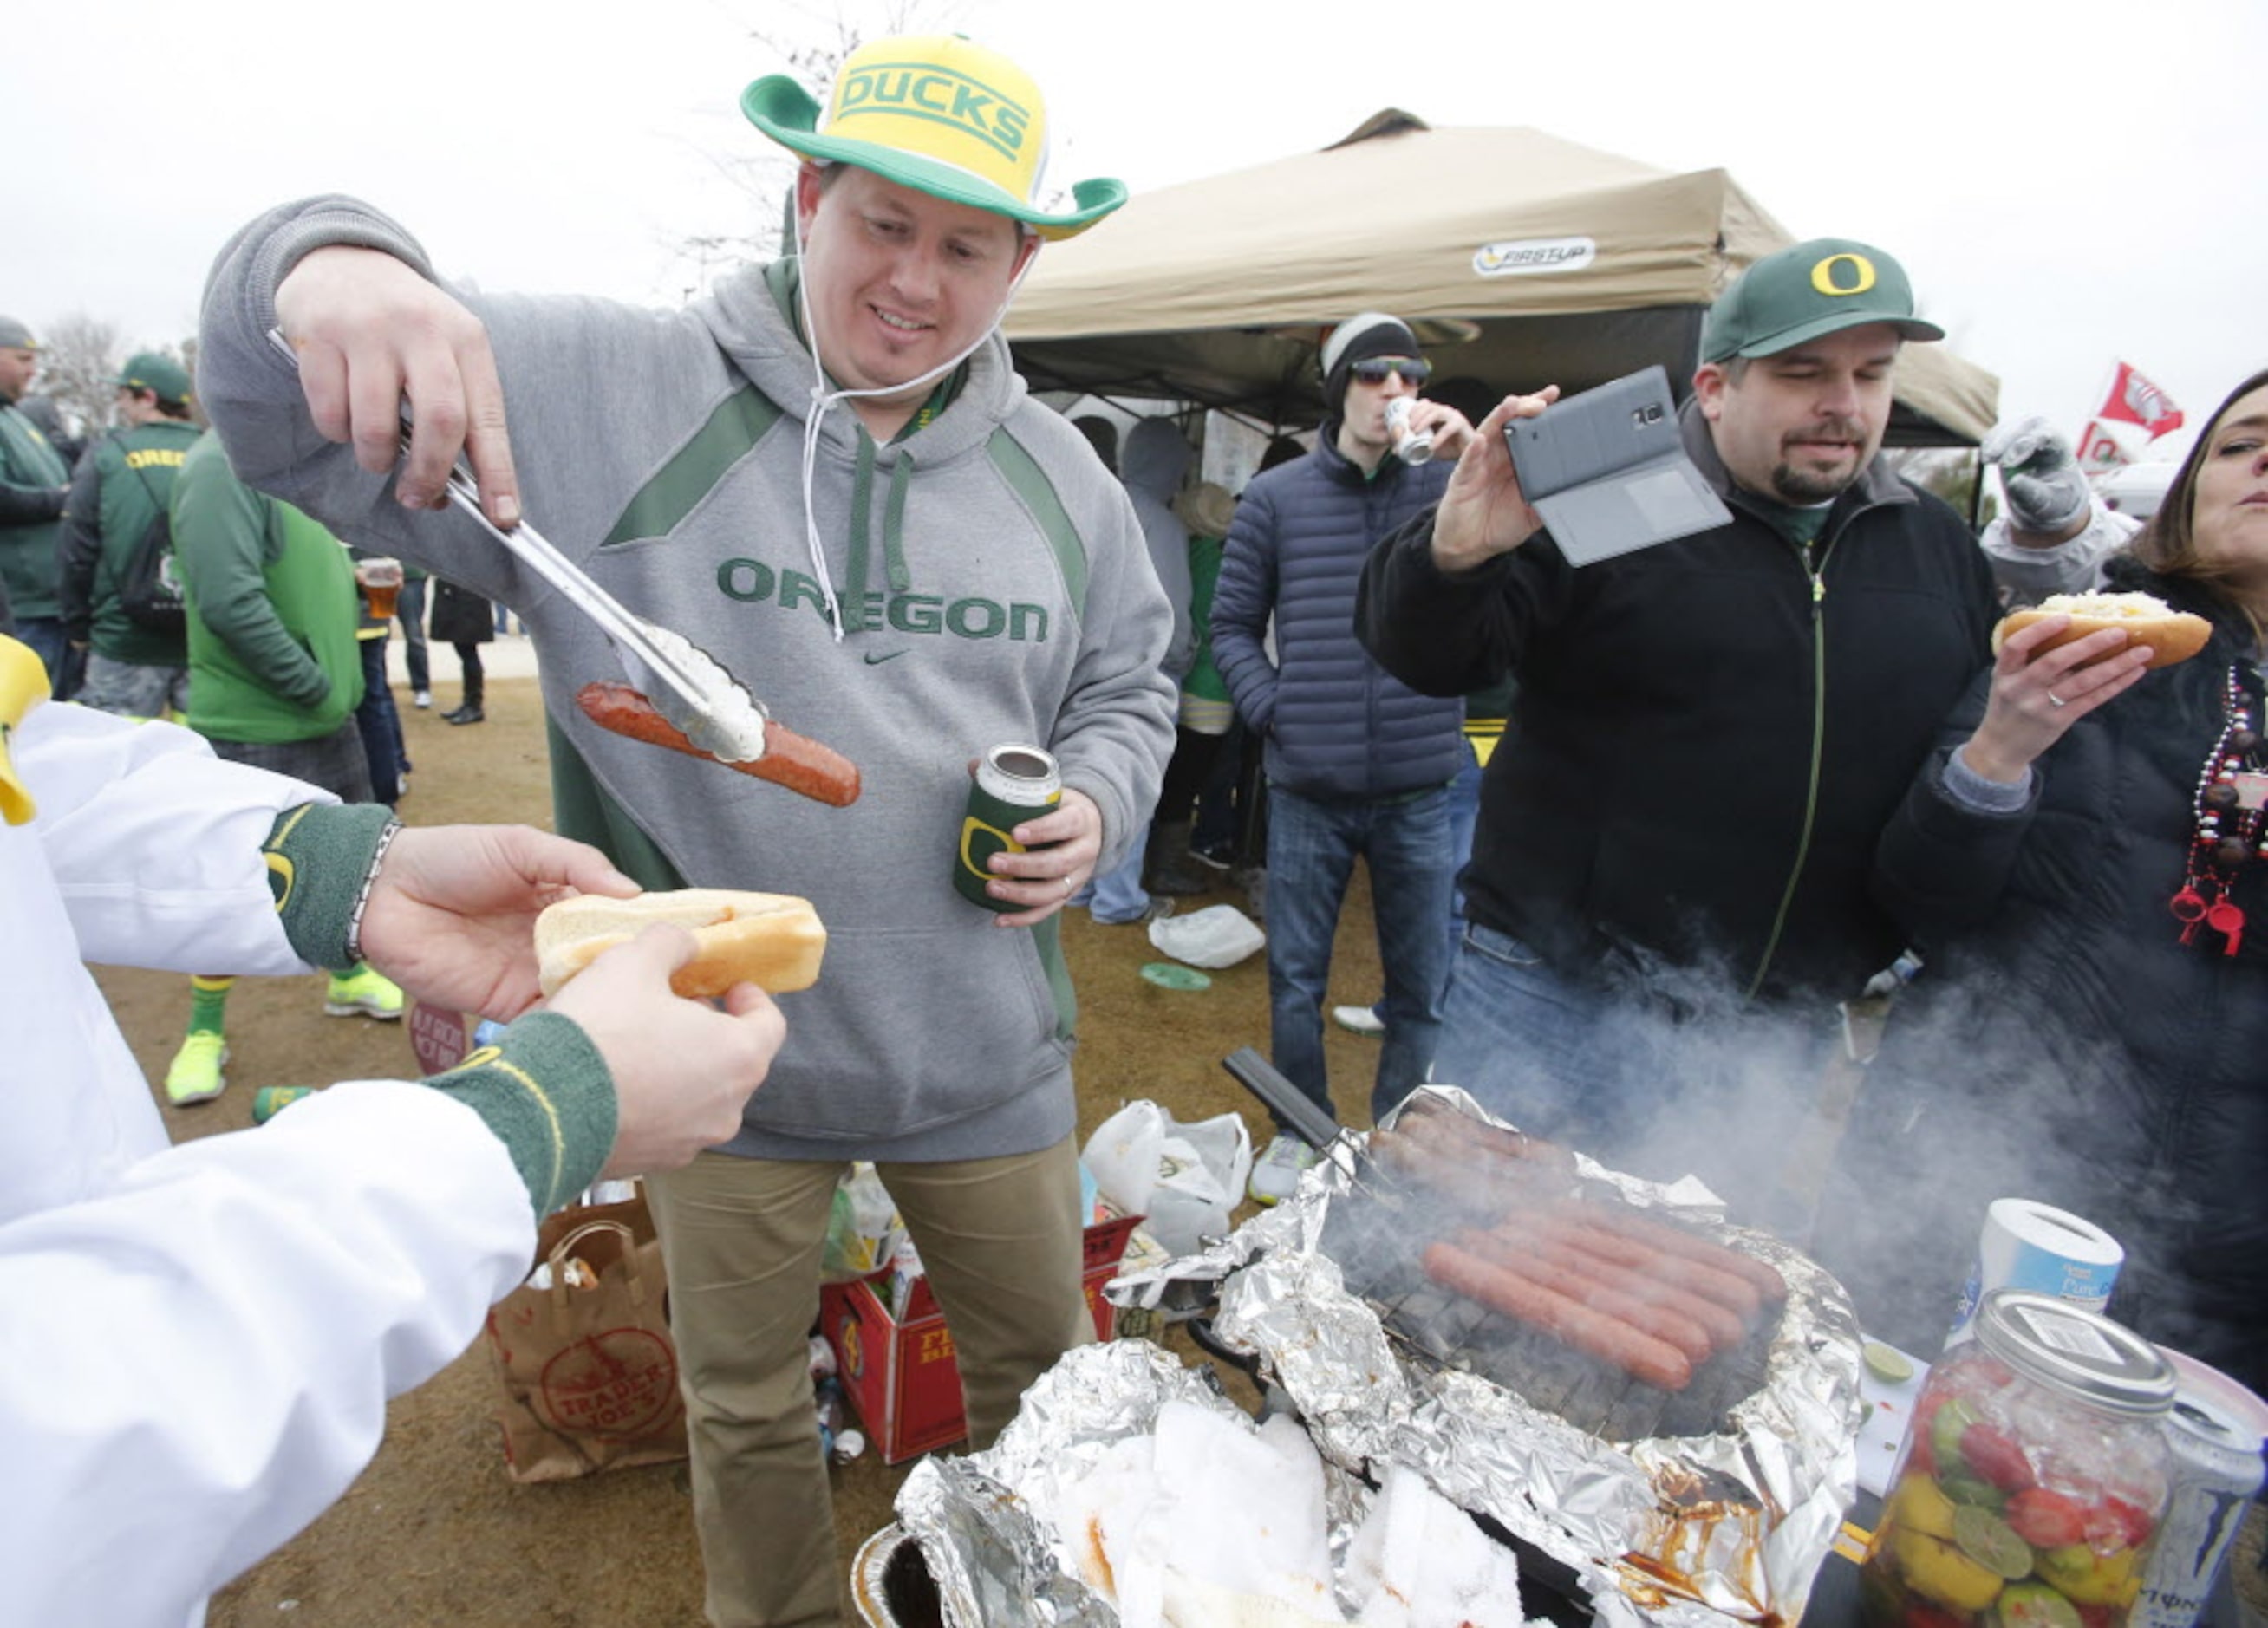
(1609, 473)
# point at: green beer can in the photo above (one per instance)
(1012, 783)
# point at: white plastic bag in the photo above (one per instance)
(1219, 935)
(1186, 1178)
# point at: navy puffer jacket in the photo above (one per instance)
(1336, 725)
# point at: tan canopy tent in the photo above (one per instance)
(1558, 263)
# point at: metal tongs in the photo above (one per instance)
(717, 712)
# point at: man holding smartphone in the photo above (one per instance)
(1357, 764)
(1668, 884)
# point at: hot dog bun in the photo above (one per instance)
(773, 940)
(2172, 634)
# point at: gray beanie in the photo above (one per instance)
(15, 336)
(1371, 333)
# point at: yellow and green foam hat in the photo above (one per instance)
(941, 115)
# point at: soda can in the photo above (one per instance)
(2028, 1245)
(1014, 783)
(2216, 1470)
(1410, 446)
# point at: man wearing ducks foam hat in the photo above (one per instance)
(827, 476)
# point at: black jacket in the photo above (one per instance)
(2062, 1043)
(1336, 726)
(1709, 734)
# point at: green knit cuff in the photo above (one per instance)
(321, 859)
(545, 1093)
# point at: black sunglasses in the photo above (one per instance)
(1374, 370)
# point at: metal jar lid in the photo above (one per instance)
(2077, 1352)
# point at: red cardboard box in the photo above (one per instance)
(902, 1377)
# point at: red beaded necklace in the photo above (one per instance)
(2231, 807)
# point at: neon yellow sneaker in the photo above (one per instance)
(196, 1075)
(363, 992)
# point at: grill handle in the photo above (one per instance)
(1311, 1124)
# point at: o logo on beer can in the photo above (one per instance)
(1825, 279)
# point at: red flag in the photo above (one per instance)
(2134, 400)
(2099, 449)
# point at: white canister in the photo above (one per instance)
(2029, 1245)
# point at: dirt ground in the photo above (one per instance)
(435, 1531)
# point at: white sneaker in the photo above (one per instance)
(1276, 1173)
(422, 699)
(1361, 1020)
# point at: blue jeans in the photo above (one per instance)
(1312, 846)
(409, 610)
(1116, 897)
(1648, 1068)
(381, 726)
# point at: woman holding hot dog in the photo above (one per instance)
(2085, 865)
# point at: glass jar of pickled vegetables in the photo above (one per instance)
(2032, 1479)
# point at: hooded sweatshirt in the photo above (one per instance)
(995, 588)
(1156, 456)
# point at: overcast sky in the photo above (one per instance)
(2067, 183)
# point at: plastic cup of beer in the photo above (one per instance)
(381, 579)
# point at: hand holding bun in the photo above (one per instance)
(2170, 635)
(773, 940)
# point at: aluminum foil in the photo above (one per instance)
(1686, 1532)
(987, 1523)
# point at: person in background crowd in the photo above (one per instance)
(34, 481)
(866, 402)
(1156, 458)
(1669, 877)
(133, 667)
(409, 611)
(218, 1326)
(2055, 535)
(1102, 435)
(1358, 763)
(2082, 861)
(50, 421)
(1230, 833)
(378, 719)
(274, 679)
(1206, 715)
(460, 618)
(1485, 712)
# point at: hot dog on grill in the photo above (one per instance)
(1735, 1294)
(1668, 1326)
(1562, 1247)
(1676, 1241)
(796, 761)
(1567, 1321)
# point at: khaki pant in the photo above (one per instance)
(742, 1238)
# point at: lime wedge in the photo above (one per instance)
(1169, 975)
(1887, 1364)
(1991, 1542)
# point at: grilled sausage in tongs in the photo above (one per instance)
(678, 695)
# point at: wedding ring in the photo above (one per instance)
(2056, 700)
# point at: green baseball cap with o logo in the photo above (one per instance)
(941, 115)
(1812, 289)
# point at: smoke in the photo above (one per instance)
(1881, 1170)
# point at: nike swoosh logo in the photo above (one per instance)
(875, 661)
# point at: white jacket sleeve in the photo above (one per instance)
(154, 843)
(195, 1365)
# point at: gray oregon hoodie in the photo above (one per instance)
(644, 455)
